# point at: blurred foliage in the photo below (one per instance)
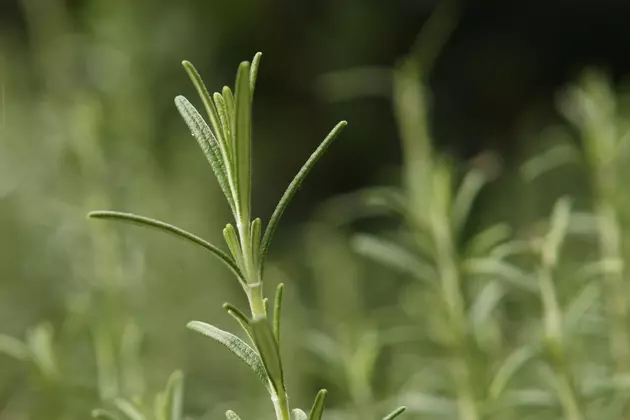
(487, 288)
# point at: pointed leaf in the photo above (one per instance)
(318, 405)
(225, 126)
(235, 345)
(254, 240)
(510, 366)
(230, 109)
(253, 73)
(211, 110)
(101, 413)
(394, 256)
(231, 415)
(231, 239)
(269, 352)
(165, 227)
(472, 183)
(175, 396)
(395, 413)
(299, 414)
(210, 146)
(242, 133)
(277, 309)
(488, 239)
(292, 189)
(240, 317)
(130, 410)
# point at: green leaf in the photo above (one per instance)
(101, 413)
(130, 410)
(394, 256)
(230, 110)
(231, 415)
(175, 396)
(395, 413)
(165, 227)
(240, 317)
(500, 270)
(299, 414)
(269, 352)
(510, 366)
(254, 240)
(231, 239)
(488, 239)
(318, 405)
(225, 125)
(292, 189)
(472, 183)
(253, 73)
(242, 134)
(40, 342)
(211, 110)
(277, 309)
(217, 157)
(14, 348)
(235, 345)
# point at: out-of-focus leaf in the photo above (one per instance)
(395, 413)
(14, 348)
(299, 414)
(394, 256)
(510, 366)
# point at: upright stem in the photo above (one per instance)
(556, 352)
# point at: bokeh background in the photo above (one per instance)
(91, 311)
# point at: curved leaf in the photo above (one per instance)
(235, 345)
(277, 308)
(318, 405)
(299, 414)
(216, 156)
(211, 110)
(231, 415)
(165, 227)
(292, 189)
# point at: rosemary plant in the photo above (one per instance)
(226, 142)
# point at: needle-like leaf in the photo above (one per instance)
(240, 317)
(211, 110)
(231, 239)
(242, 134)
(472, 183)
(175, 396)
(235, 345)
(269, 352)
(209, 144)
(318, 405)
(225, 125)
(292, 189)
(395, 413)
(253, 73)
(230, 109)
(254, 240)
(277, 310)
(165, 227)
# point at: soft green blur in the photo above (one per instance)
(460, 306)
